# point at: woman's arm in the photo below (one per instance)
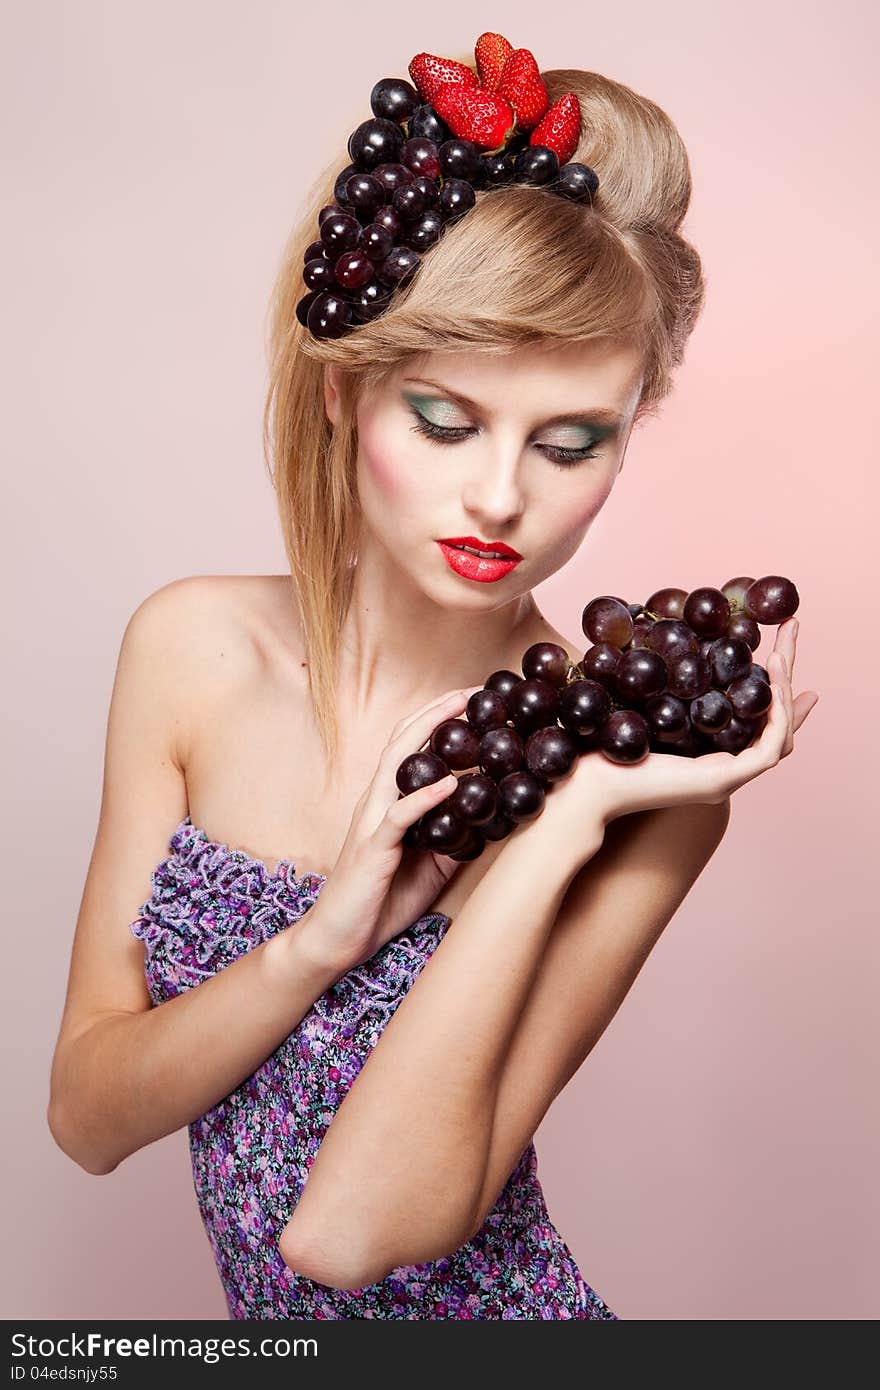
(402, 1168)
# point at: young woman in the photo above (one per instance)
(256, 718)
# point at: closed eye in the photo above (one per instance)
(454, 434)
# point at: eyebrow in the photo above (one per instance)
(599, 415)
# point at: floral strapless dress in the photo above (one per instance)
(251, 1152)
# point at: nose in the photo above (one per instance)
(492, 493)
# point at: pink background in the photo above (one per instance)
(717, 1155)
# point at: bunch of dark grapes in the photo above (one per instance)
(409, 177)
(674, 675)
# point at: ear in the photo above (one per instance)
(331, 391)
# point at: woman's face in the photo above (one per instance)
(521, 448)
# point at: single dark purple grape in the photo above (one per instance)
(625, 736)
(365, 191)
(521, 796)
(398, 265)
(314, 251)
(735, 592)
(551, 753)
(641, 627)
(749, 696)
(536, 164)
(710, 712)
(456, 743)
(485, 710)
(503, 681)
(667, 603)
(501, 752)
(354, 269)
(330, 210)
(687, 676)
(533, 704)
(421, 156)
(329, 315)
(577, 182)
(667, 716)
(772, 599)
(370, 301)
(745, 628)
(729, 658)
(440, 830)
(409, 202)
(375, 242)
(456, 197)
(707, 611)
(640, 673)
(391, 177)
(425, 123)
(546, 661)
(319, 274)
(475, 799)
(735, 736)
(374, 142)
(304, 305)
(423, 233)
(430, 188)
(497, 828)
(584, 705)
(692, 744)
(459, 159)
(419, 770)
(393, 99)
(386, 217)
(607, 619)
(342, 179)
(670, 637)
(473, 848)
(600, 663)
(495, 170)
(756, 669)
(340, 232)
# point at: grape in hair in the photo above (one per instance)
(501, 752)
(353, 270)
(551, 753)
(421, 156)
(425, 122)
(456, 743)
(423, 233)
(393, 99)
(329, 315)
(319, 274)
(486, 709)
(459, 159)
(342, 178)
(391, 177)
(521, 795)
(456, 197)
(373, 142)
(376, 241)
(340, 232)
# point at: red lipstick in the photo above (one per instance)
(485, 569)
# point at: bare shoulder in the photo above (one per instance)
(208, 634)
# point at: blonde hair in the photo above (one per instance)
(522, 266)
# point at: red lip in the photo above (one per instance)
(477, 544)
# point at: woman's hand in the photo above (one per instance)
(379, 887)
(601, 788)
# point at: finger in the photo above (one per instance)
(767, 748)
(802, 707)
(779, 676)
(407, 809)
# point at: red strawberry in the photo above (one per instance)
(521, 84)
(472, 114)
(429, 72)
(491, 52)
(561, 127)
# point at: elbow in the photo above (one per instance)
(339, 1265)
(67, 1143)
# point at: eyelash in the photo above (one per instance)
(561, 457)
